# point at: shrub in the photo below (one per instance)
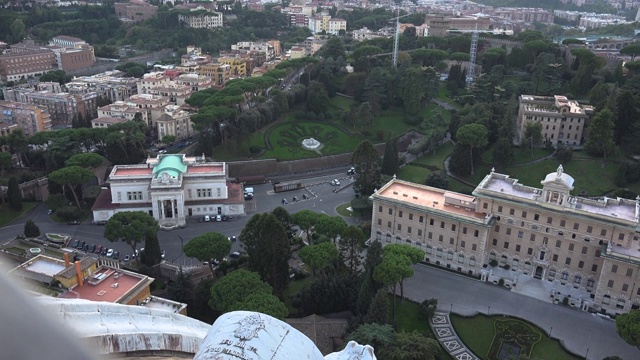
(413, 120)
(501, 282)
(565, 301)
(428, 308)
(507, 267)
(67, 213)
(493, 263)
(255, 149)
(31, 229)
(564, 155)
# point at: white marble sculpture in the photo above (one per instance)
(245, 335)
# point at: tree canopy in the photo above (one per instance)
(628, 327)
(131, 227)
(207, 247)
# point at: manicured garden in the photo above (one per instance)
(505, 338)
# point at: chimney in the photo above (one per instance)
(66, 260)
(78, 273)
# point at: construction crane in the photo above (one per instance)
(472, 58)
(396, 38)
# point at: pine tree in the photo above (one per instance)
(390, 162)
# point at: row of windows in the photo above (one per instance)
(563, 223)
(624, 288)
(614, 269)
(134, 195)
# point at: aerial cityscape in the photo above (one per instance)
(247, 179)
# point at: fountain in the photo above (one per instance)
(311, 144)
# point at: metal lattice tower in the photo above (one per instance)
(472, 58)
(396, 41)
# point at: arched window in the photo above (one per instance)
(450, 255)
(429, 249)
(461, 259)
(472, 261)
(439, 252)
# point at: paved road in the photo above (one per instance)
(322, 199)
(578, 330)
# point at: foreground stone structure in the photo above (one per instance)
(254, 336)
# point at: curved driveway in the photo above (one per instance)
(580, 332)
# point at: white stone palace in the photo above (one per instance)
(584, 249)
(171, 188)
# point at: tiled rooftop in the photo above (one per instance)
(110, 285)
(426, 197)
(132, 171)
(205, 169)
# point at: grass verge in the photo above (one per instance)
(7, 214)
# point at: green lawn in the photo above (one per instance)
(342, 210)
(436, 159)
(415, 174)
(294, 288)
(478, 332)
(342, 103)
(520, 155)
(408, 319)
(7, 214)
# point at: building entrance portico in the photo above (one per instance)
(169, 210)
(539, 272)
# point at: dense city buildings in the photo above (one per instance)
(19, 65)
(563, 121)
(63, 107)
(111, 86)
(170, 188)
(30, 118)
(548, 233)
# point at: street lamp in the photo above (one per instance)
(587, 354)
(181, 245)
(550, 330)
(451, 308)
(488, 309)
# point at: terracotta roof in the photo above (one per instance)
(103, 202)
(70, 271)
(322, 331)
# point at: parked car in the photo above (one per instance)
(115, 255)
(351, 171)
(81, 245)
(109, 253)
(162, 151)
(74, 222)
(92, 248)
(162, 254)
(233, 239)
(104, 251)
(206, 218)
(98, 249)
(235, 254)
(76, 243)
(218, 217)
(85, 247)
(225, 218)
(335, 182)
(49, 212)
(285, 201)
(126, 258)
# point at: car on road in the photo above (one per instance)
(233, 239)
(285, 201)
(234, 255)
(127, 258)
(74, 222)
(76, 243)
(115, 255)
(109, 253)
(92, 248)
(335, 182)
(351, 171)
(98, 249)
(49, 212)
(162, 254)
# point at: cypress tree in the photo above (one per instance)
(15, 196)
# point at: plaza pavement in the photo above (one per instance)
(582, 333)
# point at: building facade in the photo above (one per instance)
(19, 65)
(30, 118)
(586, 245)
(563, 121)
(135, 11)
(63, 107)
(171, 188)
(202, 19)
(175, 122)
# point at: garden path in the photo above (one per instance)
(447, 336)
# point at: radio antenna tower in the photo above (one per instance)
(472, 58)
(396, 41)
